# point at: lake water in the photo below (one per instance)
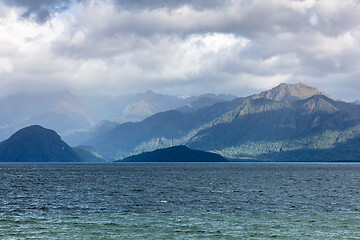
(180, 201)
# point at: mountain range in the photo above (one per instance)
(38, 144)
(264, 129)
(164, 129)
(289, 122)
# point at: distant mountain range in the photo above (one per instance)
(77, 118)
(164, 129)
(289, 122)
(60, 111)
(38, 144)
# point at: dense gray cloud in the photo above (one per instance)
(39, 9)
(170, 4)
(180, 47)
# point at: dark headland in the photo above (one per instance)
(36, 144)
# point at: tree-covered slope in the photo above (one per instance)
(161, 130)
(36, 144)
(279, 105)
(264, 129)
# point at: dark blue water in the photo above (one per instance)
(180, 201)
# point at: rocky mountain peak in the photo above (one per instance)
(289, 92)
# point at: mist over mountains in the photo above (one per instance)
(73, 116)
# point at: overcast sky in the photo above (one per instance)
(179, 47)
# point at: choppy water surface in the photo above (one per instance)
(180, 201)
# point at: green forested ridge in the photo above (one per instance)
(161, 130)
(262, 129)
(289, 121)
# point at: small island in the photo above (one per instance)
(175, 154)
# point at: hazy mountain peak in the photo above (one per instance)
(149, 92)
(62, 106)
(289, 92)
(140, 109)
(199, 103)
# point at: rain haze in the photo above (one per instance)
(116, 47)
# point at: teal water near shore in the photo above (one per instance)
(244, 225)
(180, 201)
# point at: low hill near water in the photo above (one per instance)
(176, 154)
(36, 144)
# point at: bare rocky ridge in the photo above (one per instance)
(289, 92)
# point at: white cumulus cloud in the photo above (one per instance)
(179, 47)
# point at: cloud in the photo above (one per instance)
(179, 47)
(5, 65)
(170, 4)
(39, 10)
